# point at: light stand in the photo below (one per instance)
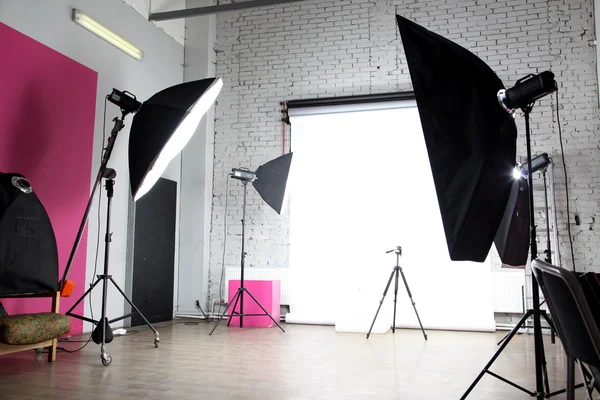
(239, 295)
(118, 126)
(542, 390)
(103, 324)
(397, 271)
(548, 251)
(161, 128)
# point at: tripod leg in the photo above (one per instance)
(588, 390)
(235, 297)
(83, 297)
(381, 302)
(570, 378)
(545, 369)
(264, 310)
(137, 310)
(413, 303)
(498, 352)
(103, 325)
(395, 301)
(551, 324)
(503, 339)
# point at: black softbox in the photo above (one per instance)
(471, 140)
(28, 253)
(512, 238)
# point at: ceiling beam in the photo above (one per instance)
(196, 12)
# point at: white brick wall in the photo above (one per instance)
(348, 47)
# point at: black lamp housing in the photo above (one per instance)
(538, 163)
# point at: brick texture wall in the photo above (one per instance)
(321, 48)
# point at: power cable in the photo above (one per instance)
(224, 239)
(562, 152)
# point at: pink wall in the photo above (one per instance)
(47, 110)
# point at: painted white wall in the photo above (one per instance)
(174, 28)
(50, 23)
(196, 173)
(597, 26)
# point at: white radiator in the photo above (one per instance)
(508, 291)
(261, 274)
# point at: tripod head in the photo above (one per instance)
(397, 250)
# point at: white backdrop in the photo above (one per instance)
(361, 184)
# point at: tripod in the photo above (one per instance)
(102, 333)
(239, 295)
(394, 275)
(542, 389)
(103, 324)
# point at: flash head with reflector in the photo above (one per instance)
(538, 163)
(270, 180)
(126, 101)
(161, 128)
(527, 90)
(243, 175)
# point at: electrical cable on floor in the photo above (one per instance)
(201, 310)
(129, 333)
(224, 240)
(562, 152)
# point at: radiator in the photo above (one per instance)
(261, 274)
(508, 291)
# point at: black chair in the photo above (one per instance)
(575, 323)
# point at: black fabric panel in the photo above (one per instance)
(28, 252)
(470, 139)
(512, 238)
(271, 181)
(155, 122)
(154, 253)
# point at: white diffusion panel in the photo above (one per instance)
(361, 184)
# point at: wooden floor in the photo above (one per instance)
(306, 362)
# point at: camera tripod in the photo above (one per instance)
(395, 274)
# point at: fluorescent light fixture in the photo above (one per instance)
(106, 34)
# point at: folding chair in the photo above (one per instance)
(576, 326)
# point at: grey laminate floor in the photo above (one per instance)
(306, 362)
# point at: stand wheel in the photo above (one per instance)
(39, 350)
(106, 359)
(156, 341)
